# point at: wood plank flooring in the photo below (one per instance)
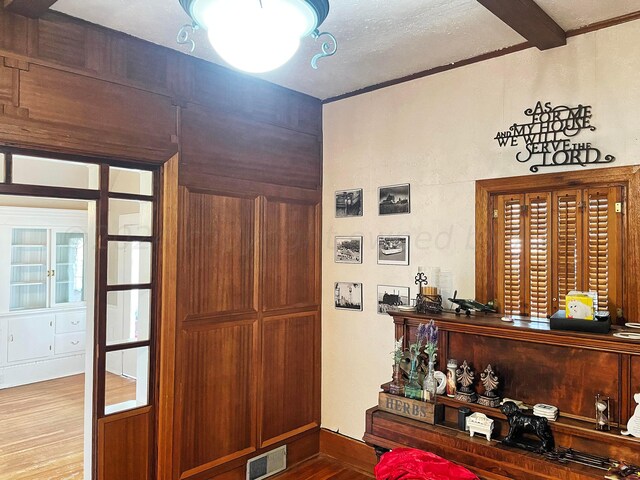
(42, 427)
(323, 468)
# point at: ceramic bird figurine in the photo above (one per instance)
(633, 425)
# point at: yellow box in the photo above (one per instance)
(579, 305)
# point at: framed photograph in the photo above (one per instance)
(394, 199)
(393, 250)
(349, 203)
(348, 296)
(348, 250)
(392, 296)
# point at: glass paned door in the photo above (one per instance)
(68, 272)
(29, 273)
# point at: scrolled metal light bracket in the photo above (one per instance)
(185, 35)
(328, 49)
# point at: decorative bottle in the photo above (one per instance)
(396, 387)
(412, 388)
(430, 384)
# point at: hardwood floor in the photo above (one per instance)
(323, 468)
(41, 427)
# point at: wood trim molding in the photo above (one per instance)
(481, 58)
(629, 177)
(347, 450)
(28, 8)
(168, 319)
(529, 20)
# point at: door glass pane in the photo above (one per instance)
(130, 217)
(69, 271)
(28, 281)
(128, 316)
(126, 380)
(126, 180)
(2, 168)
(55, 173)
(129, 263)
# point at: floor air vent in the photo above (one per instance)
(267, 464)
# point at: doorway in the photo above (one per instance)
(77, 283)
(47, 267)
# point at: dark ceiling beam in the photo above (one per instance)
(529, 20)
(28, 8)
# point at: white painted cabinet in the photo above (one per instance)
(42, 310)
(30, 338)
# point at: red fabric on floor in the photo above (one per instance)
(412, 464)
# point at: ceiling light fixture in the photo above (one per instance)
(258, 35)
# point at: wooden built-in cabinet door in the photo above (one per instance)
(289, 376)
(290, 260)
(217, 254)
(291, 322)
(218, 327)
(218, 395)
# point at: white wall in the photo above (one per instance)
(437, 134)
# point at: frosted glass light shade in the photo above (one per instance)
(256, 36)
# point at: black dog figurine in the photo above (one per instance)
(520, 423)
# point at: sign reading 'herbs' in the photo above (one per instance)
(548, 137)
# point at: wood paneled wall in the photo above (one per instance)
(240, 325)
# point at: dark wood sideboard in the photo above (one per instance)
(535, 365)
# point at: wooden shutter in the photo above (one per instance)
(509, 244)
(537, 247)
(567, 245)
(602, 252)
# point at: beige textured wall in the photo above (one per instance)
(437, 134)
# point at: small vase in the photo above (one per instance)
(430, 384)
(413, 389)
(396, 387)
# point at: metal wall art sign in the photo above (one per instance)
(548, 137)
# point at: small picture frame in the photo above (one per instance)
(393, 250)
(392, 296)
(394, 199)
(349, 203)
(348, 296)
(348, 250)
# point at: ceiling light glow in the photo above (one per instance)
(258, 35)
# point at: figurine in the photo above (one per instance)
(452, 366)
(465, 377)
(633, 426)
(480, 423)
(490, 383)
(520, 423)
(468, 305)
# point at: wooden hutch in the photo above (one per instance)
(535, 365)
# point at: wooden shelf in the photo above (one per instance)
(489, 459)
(522, 329)
(573, 426)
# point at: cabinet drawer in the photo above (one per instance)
(67, 322)
(69, 343)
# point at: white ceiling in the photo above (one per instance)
(379, 40)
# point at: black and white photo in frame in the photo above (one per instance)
(348, 296)
(393, 250)
(392, 296)
(349, 203)
(348, 250)
(394, 199)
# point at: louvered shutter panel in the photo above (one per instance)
(601, 253)
(568, 244)
(538, 239)
(510, 244)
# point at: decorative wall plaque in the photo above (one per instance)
(548, 137)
